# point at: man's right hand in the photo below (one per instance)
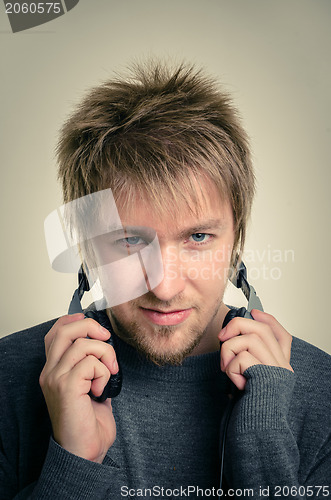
(74, 366)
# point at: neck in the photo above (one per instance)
(210, 342)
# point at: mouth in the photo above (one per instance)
(168, 318)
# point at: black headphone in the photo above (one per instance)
(114, 384)
(113, 387)
(239, 280)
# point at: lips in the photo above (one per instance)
(168, 318)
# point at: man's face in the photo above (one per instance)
(184, 313)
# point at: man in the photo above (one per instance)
(169, 147)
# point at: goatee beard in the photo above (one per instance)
(147, 345)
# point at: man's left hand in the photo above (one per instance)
(247, 342)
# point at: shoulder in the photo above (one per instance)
(312, 367)
(308, 360)
(29, 338)
(22, 357)
(23, 352)
(24, 425)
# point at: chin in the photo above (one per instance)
(163, 345)
(165, 358)
(167, 350)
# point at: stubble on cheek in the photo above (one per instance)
(160, 344)
(163, 344)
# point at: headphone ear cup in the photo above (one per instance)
(230, 315)
(114, 384)
(234, 313)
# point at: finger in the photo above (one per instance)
(245, 326)
(82, 348)
(69, 333)
(283, 336)
(88, 374)
(252, 344)
(64, 320)
(238, 366)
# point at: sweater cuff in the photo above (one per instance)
(67, 476)
(265, 402)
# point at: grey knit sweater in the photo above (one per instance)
(168, 419)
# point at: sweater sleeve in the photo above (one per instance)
(32, 464)
(65, 476)
(262, 453)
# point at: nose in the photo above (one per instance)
(173, 282)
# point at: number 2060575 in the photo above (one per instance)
(301, 491)
(33, 8)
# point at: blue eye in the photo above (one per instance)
(199, 237)
(133, 240)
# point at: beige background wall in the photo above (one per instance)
(273, 56)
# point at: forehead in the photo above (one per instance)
(205, 208)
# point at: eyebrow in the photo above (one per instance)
(204, 226)
(200, 227)
(118, 230)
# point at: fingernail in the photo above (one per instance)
(104, 331)
(222, 332)
(115, 366)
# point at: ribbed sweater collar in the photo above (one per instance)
(193, 368)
